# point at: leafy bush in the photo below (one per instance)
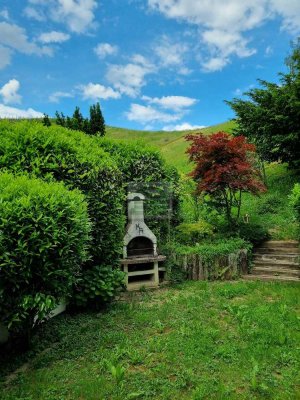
(253, 233)
(144, 170)
(56, 153)
(44, 233)
(269, 204)
(295, 199)
(191, 233)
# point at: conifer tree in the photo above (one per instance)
(97, 123)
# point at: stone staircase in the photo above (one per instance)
(276, 260)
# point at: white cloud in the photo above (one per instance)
(4, 14)
(268, 51)
(171, 54)
(15, 37)
(130, 78)
(185, 126)
(222, 25)
(148, 114)
(54, 37)
(95, 91)
(78, 15)
(215, 64)
(290, 13)
(11, 112)
(175, 103)
(56, 96)
(9, 92)
(105, 49)
(5, 56)
(35, 14)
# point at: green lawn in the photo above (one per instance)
(199, 340)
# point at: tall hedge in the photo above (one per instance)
(143, 169)
(58, 154)
(44, 235)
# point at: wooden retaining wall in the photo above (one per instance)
(231, 266)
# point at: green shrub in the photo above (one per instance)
(44, 233)
(254, 233)
(56, 153)
(192, 233)
(269, 204)
(295, 199)
(144, 170)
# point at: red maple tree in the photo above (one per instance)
(224, 169)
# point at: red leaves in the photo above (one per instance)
(224, 162)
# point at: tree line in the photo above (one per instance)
(94, 125)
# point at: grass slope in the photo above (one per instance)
(171, 144)
(236, 341)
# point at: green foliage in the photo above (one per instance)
(269, 204)
(44, 233)
(98, 282)
(210, 250)
(254, 233)
(59, 154)
(192, 233)
(144, 170)
(94, 125)
(270, 118)
(96, 122)
(295, 199)
(46, 120)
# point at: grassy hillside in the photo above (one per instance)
(171, 144)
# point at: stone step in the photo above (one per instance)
(271, 278)
(262, 270)
(294, 244)
(289, 258)
(275, 263)
(277, 250)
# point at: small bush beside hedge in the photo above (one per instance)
(44, 236)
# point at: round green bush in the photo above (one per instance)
(59, 154)
(44, 236)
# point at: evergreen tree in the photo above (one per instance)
(97, 123)
(60, 119)
(77, 121)
(46, 120)
(271, 118)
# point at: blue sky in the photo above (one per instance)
(152, 64)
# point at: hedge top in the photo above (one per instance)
(49, 140)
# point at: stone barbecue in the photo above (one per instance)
(140, 259)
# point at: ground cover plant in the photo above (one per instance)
(195, 341)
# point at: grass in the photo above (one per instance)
(272, 209)
(196, 341)
(171, 144)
